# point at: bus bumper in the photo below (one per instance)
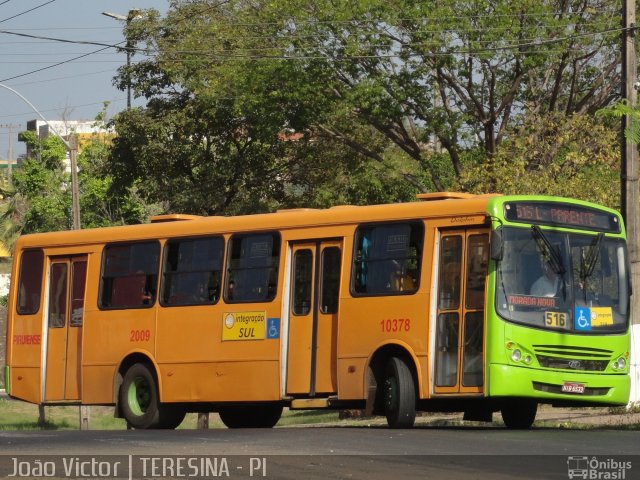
(547, 386)
(7, 377)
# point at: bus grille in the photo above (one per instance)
(567, 357)
(572, 363)
(550, 388)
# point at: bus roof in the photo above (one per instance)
(432, 205)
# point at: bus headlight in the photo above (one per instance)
(516, 355)
(620, 363)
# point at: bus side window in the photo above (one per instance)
(130, 275)
(30, 283)
(192, 271)
(388, 259)
(253, 267)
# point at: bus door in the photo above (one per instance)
(67, 277)
(313, 318)
(459, 330)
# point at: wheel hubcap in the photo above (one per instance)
(391, 394)
(139, 396)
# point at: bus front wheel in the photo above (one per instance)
(140, 401)
(399, 394)
(519, 413)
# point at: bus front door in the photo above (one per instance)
(67, 277)
(459, 330)
(313, 318)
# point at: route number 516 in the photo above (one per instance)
(555, 319)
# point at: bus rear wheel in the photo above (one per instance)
(140, 401)
(519, 413)
(250, 416)
(399, 394)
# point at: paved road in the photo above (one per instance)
(345, 452)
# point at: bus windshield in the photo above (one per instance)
(563, 281)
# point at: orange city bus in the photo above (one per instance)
(434, 305)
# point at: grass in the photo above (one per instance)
(16, 415)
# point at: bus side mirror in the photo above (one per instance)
(496, 245)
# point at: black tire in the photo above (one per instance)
(139, 398)
(171, 417)
(399, 394)
(250, 416)
(519, 413)
(140, 401)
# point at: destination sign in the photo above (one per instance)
(561, 215)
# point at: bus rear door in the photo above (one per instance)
(67, 278)
(313, 318)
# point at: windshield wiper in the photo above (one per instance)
(591, 258)
(548, 251)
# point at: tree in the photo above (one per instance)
(241, 145)
(456, 75)
(575, 156)
(425, 90)
(100, 204)
(40, 200)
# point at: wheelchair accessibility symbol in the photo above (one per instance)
(273, 328)
(583, 318)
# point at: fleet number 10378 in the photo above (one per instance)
(395, 325)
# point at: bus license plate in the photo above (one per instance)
(571, 387)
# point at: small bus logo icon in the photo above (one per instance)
(578, 467)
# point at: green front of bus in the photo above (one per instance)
(558, 302)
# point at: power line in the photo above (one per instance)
(55, 64)
(526, 43)
(49, 54)
(437, 20)
(48, 29)
(450, 52)
(53, 79)
(27, 11)
(64, 40)
(290, 35)
(114, 100)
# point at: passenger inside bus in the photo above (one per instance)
(548, 283)
(231, 290)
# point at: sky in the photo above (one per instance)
(74, 89)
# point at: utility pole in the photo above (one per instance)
(10, 127)
(133, 14)
(630, 192)
(75, 193)
(73, 151)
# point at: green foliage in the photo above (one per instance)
(574, 156)
(39, 200)
(442, 83)
(100, 204)
(620, 110)
(50, 152)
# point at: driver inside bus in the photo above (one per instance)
(548, 283)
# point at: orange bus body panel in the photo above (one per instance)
(185, 343)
